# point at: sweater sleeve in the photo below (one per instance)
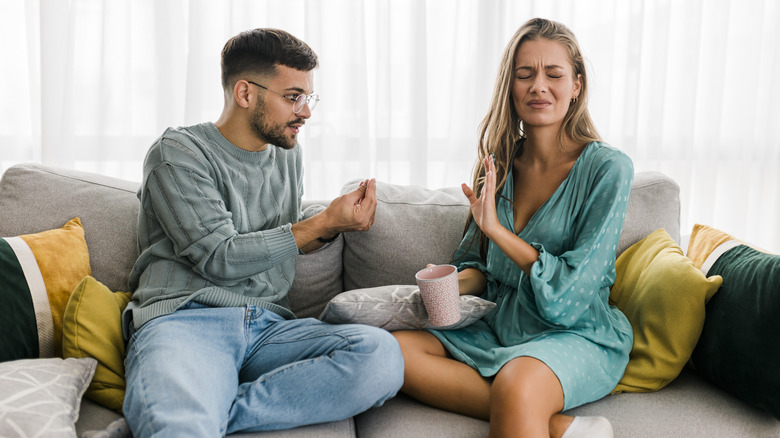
(565, 286)
(185, 200)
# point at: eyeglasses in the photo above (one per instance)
(298, 100)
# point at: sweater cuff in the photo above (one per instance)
(281, 243)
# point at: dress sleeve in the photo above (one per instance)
(565, 286)
(187, 204)
(468, 255)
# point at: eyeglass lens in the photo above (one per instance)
(302, 100)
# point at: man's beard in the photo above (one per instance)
(274, 134)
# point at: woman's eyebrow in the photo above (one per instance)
(546, 67)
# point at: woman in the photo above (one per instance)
(540, 242)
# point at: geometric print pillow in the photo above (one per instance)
(41, 397)
(396, 307)
(38, 273)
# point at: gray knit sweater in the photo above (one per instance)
(214, 225)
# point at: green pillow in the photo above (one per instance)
(92, 328)
(37, 275)
(738, 349)
(663, 295)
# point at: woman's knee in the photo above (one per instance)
(528, 383)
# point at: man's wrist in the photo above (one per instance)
(329, 240)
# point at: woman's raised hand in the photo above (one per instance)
(484, 208)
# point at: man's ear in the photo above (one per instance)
(241, 95)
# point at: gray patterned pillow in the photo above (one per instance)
(397, 307)
(41, 397)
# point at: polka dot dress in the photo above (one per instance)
(559, 313)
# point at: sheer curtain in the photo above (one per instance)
(688, 88)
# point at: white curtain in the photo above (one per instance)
(686, 87)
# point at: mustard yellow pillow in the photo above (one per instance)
(663, 295)
(92, 328)
(37, 275)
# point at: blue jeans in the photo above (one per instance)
(208, 372)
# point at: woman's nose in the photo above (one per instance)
(539, 85)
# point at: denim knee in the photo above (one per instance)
(385, 365)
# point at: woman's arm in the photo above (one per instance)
(484, 211)
(471, 281)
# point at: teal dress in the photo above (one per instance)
(559, 313)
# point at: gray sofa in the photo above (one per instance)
(413, 227)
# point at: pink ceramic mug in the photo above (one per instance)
(439, 290)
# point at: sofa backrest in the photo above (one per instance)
(415, 226)
(36, 198)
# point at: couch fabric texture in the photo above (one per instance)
(414, 226)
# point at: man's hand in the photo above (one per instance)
(353, 211)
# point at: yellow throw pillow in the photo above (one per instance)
(37, 275)
(92, 328)
(663, 295)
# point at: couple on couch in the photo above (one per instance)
(213, 348)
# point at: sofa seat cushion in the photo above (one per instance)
(94, 419)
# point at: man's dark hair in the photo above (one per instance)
(258, 51)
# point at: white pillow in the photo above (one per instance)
(396, 307)
(41, 397)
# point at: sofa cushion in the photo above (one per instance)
(738, 346)
(416, 226)
(39, 272)
(92, 328)
(95, 419)
(317, 278)
(663, 295)
(396, 307)
(34, 197)
(687, 407)
(413, 227)
(654, 203)
(41, 397)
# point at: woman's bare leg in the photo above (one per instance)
(526, 400)
(434, 378)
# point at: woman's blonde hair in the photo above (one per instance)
(502, 127)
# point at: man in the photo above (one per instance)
(213, 348)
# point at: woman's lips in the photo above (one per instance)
(539, 104)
